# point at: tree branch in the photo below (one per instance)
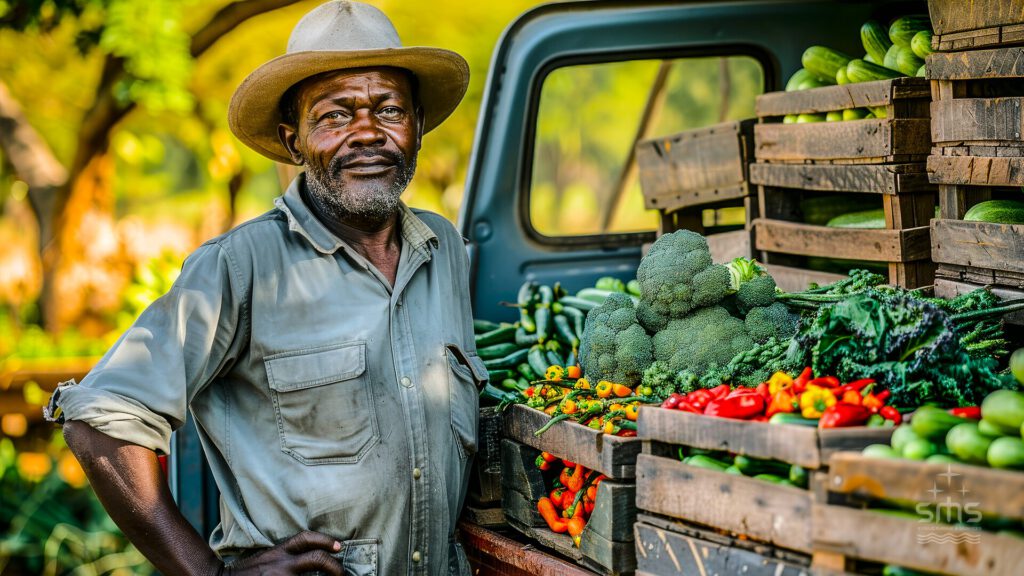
(229, 17)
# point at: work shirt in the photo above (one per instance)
(325, 399)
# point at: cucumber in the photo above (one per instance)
(875, 39)
(908, 62)
(633, 287)
(903, 30)
(890, 58)
(998, 211)
(942, 459)
(968, 444)
(1006, 452)
(879, 111)
(798, 475)
(834, 116)
(546, 295)
(855, 113)
(790, 418)
(864, 220)
(499, 375)
(861, 71)
(870, 58)
(774, 479)
(921, 44)
(565, 331)
(578, 303)
(807, 118)
(789, 119)
(813, 82)
(509, 385)
(879, 451)
(509, 361)
(578, 319)
(734, 471)
(1005, 409)
(841, 76)
(554, 359)
(524, 370)
(524, 338)
(797, 78)
(922, 72)
(933, 423)
(706, 462)
(594, 294)
(524, 300)
(542, 316)
(497, 350)
(824, 62)
(504, 334)
(483, 326)
(537, 360)
(754, 466)
(987, 428)
(919, 449)
(902, 436)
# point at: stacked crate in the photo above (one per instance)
(978, 143)
(483, 507)
(884, 157)
(606, 545)
(740, 524)
(847, 535)
(690, 176)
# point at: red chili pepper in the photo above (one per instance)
(557, 497)
(672, 401)
(883, 395)
(857, 385)
(969, 412)
(825, 382)
(548, 457)
(624, 433)
(699, 398)
(741, 407)
(528, 392)
(842, 414)
(569, 464)
(800, 384)
(891, 413)
(720, 391)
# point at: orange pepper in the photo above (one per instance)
(609, 427)
(632, 411)
(582, 384)
(573, 372)
(547, 511)
(551, 409)
(576, 524)
(569, 406)
(616, 407)
(604, 389)
(621, 391)
(576, 480)
(852, 397)
(782, 402)
(558, 497)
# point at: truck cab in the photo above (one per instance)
(552, 193)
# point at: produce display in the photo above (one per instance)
(573, 493)
(606, 406)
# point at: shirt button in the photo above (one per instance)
(416, 556)
(406, 382)
(416, 473)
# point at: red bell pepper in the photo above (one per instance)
(969, 412)
(842, 414)
(742, 407)
(890, 413)
(699, 398)
(672, 401)
(739, 391)
(720, 391)
(687, 407)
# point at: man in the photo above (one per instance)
(324, 349)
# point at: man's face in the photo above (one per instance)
(357, 132)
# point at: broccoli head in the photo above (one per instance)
(709, 337)
(615, 347)
(751, 284)
(775, 321)
(677, 276)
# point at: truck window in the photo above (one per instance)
(589, 118)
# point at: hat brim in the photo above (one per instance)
(254, 113)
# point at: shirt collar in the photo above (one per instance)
(302, 221)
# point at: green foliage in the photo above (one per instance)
(614, 346)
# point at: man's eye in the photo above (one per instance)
(391, 113)
(335, 116)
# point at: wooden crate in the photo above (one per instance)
(606, 543)
(490, 552)
(901, 137)
(668, 548)
(844, 535)
(485, 476)
(952, 281)
(687, 173)
(977, 127)
(960, 25)
(613, 456)
(906, 196)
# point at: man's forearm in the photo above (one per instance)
(128, 480)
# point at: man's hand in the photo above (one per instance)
(305, 552)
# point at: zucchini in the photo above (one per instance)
(834, 116)
(482, 326)
(706, 462)
(579, 303)
(855, 113)
(754, 466)
(908, 62)
(933, 423)
(789, 119)
(578, 319)
(808, 118)
(1005, 409)
(524, 338)
(497, 350)
(797, 78)
(824, 62)
(875, 39)
(864, 220)
(861, 71)
(509, 361)
(499, 375)
(542, 316)
(527, 372)
(841, 76)
(890, 57)
(998, 211)
(921, 44)
(1006, 452)
(537, 360)
(565, 331)
(506, 333)
(903, 30)
(967, 443)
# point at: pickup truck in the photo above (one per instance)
(535, 209)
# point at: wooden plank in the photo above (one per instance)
(521, 511)
(954, 200)
(485, 517)
(809, 240)
(951, 289)
(614, 511)
(665, 553)
(881, 538)
(909, 210)
(883, 138)
(744, 506)
(613, 456)
(989, 490)
(519, 471)
(797, 279)
(866, 178)
(951, 16)
(485, 476)
(978, 244)
(990, 120)
(976, 64)
(728, 245)
(976, 171)
(492, 553)
(828, 98)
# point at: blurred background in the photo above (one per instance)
(116, 161)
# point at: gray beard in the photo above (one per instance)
(376, 204)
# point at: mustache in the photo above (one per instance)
(336, 164)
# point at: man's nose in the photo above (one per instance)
(366, 131)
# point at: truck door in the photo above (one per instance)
(552, 193)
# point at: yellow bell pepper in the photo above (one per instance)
(779, 381)
(604, 389)
(815, 400)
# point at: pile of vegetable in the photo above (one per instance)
(822, 402)
(606, 406)
(572, 498)
(773, 471)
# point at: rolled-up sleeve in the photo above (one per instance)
(140, 390)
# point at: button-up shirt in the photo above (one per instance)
(325, 398)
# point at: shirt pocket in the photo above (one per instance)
(466, 374)
(324, 403)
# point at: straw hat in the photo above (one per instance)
(338, 35)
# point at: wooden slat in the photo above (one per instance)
(519, 472)
(595, 551)
(875, 245)
(808, 447)
(485, 476)
(744, 506)
(868, 140)
(982, 276)
(978, 244)
(613, 456)
(867, 178)
(726, 246)
(492, 553)
(977, 64)
(945, 288)
(828, 98)
(976, 171)
(880, 538)
(797, 279)
(665, 553)
(995, 120)
(990, 491)
(951, 16)
(484, 517)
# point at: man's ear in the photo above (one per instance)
(419, 128)
(289, 135)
